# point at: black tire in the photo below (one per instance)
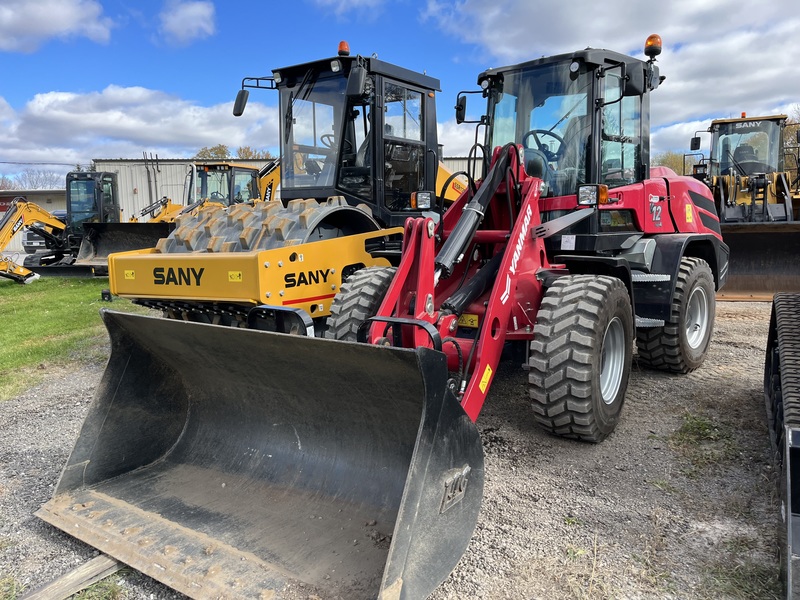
(358, 299)
(581, 356)
(681, 345)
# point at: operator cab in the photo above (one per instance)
(223, 183)
(91, 198)
(359, 128)
(747, 146)
(581, 118)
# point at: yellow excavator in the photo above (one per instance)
(753, 175)
(355, 161)
(91, 198)
(19, 215)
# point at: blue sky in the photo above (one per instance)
(84, 79)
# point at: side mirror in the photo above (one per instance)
(240, 103)
(356, 82)
(695, 144)
(619, 84)
(798, 135)
(461, 109)
(634, 84)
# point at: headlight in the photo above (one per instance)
(592, 195)
(421, 200)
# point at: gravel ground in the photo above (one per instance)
(677, 503)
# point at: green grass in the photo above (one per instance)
(105, 589)
(48, 324)
(705, 443)
(10, 588)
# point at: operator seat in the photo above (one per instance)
(744, 153)
(575, 135)
(572, 159)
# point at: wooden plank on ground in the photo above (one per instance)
(76, 580)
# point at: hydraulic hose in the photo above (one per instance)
(459, 240)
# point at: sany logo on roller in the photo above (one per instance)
(177, 276)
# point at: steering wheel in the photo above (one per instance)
(327, 140)
(216, 196)
(313, 168)
(551, 156)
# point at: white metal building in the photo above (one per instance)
(140, 183)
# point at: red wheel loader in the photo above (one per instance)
(236, 462)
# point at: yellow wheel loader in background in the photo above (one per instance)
(754, 178)
(358, 151)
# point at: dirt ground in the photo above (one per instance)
(678, 503)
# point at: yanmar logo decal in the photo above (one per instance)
(526, 223)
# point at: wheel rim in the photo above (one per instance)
(696, 324)
(612, 362)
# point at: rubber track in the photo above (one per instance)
(786, 308)
(659, 347)
(560, 373)
(358, 299)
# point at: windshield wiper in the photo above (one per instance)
(305, 89)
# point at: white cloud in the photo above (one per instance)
(456, 139)
(721, 57)
(340, 7)
(183, 22)
(25, 25)
(124, 122)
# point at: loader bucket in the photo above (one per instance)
(764, 259)
(233, 463)
(101, 239)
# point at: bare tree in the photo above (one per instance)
(675, 161)
(246, 152)
(6, 183)
(218, 152)
(39, 179)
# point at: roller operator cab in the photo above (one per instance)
(359, 128)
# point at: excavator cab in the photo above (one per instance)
(91, 198)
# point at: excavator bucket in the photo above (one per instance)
(101, 239)
(764, 259)
(233, 463)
